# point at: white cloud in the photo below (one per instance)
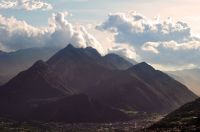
(151, 47)
(172, 53)
(125, 51)
(136, 29)
(156, 41)
(25, 4)
(17, 34)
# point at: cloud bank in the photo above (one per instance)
(25, 4)
(136, 29)
(17, 34)
(156, 41)
(162, 43)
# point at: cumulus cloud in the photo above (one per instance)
(17, 34)
(136, 29)
(25, 4)
(125, 51)
(156, 41)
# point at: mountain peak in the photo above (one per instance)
(39, 65)
(112, 55)
(70, 46)
(142, 66)
(71, 53)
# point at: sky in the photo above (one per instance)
(166, 34)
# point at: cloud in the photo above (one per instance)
(172, 53)
(125, 51)
(136, 29)
(17, 34)
(25, 4)
(151, 47)
(156, 41)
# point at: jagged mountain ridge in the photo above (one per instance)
(73, 71)
(11, 63)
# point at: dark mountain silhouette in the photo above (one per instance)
(37, 93)
(141, 88)
(121, 89)
(34, 83)
(168, 89)
(46, 86)
(85, 66)
(11, 63)
(77, 108)
(186, 118)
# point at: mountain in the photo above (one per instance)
(85, 66)
(118, 62)
(186, 118)
(190, 77)
(141, 88)
(100, 79)
(11, 63)
(163, 85)
(47, 86)
(78, 108)
(38, 94)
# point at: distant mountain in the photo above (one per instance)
(186, 118)
(76, 71)
(12, 63)
(190, 77)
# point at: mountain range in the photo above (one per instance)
(78, 85)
